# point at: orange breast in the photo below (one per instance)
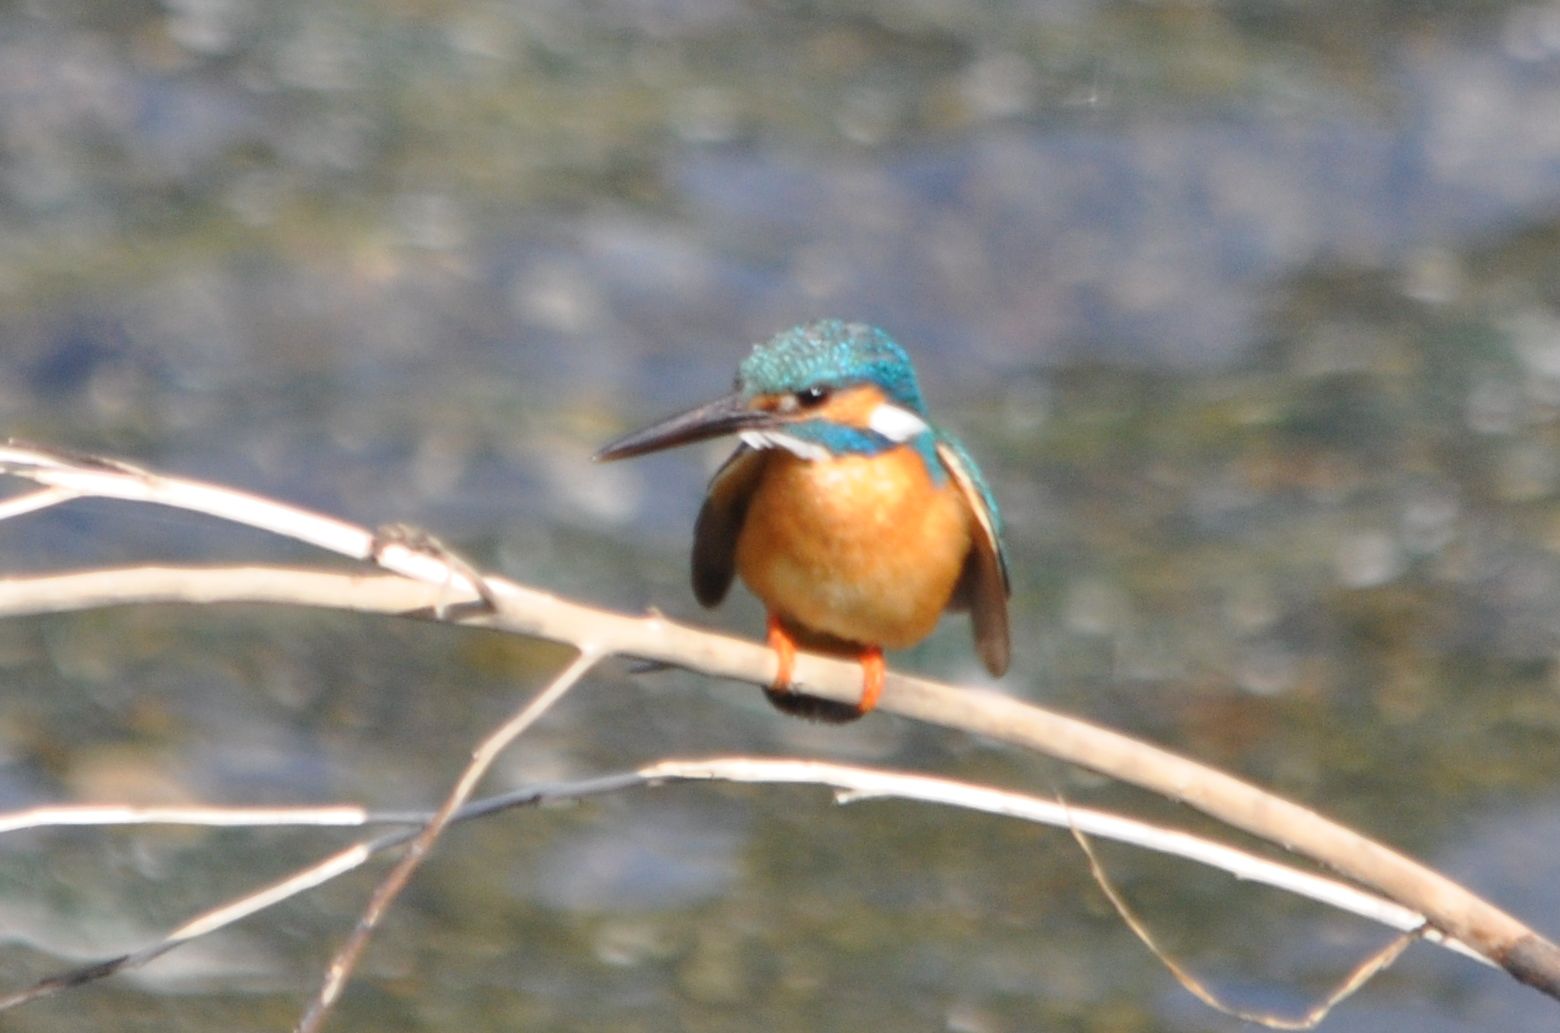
(862, 548)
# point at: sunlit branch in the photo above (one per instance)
(1448, 906)
(851, 784)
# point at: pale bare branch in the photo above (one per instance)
(857, 783)
(660, 639)
(338, 863)
(70, 476)
(1447, 906)
(850, 783)
(103, 814)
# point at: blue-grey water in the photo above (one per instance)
(1250, 312)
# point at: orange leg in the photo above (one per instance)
(871, 679)
(784, 693)
(785, 654)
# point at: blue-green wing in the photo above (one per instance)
(720, 522)
(983, 586)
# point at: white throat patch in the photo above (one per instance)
(896, 424)
(779, 439)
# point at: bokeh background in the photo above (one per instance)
(1251, 312)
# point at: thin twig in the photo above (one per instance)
(102, 814)
(340, 968)
(851, 784)
(74, 476)
(34, 501)
(330, 867)
(1357, 977)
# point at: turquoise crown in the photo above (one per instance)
(830, 353)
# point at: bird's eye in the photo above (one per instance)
(812, 397)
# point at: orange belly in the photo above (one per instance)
(861, 548)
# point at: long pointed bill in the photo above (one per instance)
(726, 415)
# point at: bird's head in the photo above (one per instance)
(818, 390)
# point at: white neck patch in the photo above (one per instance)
(779, 439)
(896, 424)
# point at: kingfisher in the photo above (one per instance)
(853, 518)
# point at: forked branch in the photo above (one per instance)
(851, 784)
(427, 585)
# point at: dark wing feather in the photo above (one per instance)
(983, 584)
(720, 521)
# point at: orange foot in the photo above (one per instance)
(784, 646)
(871, 679)
(783, 694)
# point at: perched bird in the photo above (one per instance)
(853, 518)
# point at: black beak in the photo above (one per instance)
(722, 416)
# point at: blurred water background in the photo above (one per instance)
(1251, 312)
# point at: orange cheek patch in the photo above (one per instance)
(851, 406)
